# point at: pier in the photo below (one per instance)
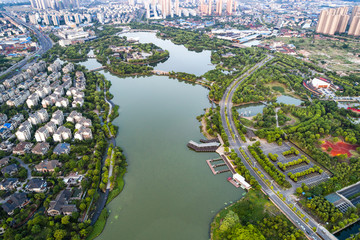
(232, 181)
(219, 165)
(203, 147)
(215, 160)
(212, 167)
(209, 140)
(228, 163)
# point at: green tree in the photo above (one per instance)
(65, 220)
(299, 190)
(230, 220)
(59, 234)
(245, 232)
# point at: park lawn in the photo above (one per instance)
(119, 187)
(247, 122)
(294, 120)
(282, 89)
(99, 225)
(278, 89)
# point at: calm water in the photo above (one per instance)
(181, 60)
(347, 232)
(170, 192)
(250, 110)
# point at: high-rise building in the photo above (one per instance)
(47, 19)
(355, 12)
(203, 8)
(333, 21)
(33, 19)
(210, 8)
(165, 8)
(100, 17)
(354, 29)
(54, 4)
(219, 4)
(68, 19)
(177, 8)
(78, 18)
(33, 4)
(55, 20)
(229, 7)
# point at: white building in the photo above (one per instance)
(62, 134)
(57, 117)
(42, 134)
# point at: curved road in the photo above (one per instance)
(225, 111)
(44, 42)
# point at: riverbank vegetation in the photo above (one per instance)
(253, 217)
(214, 125)
(192, 40)
(99, 225)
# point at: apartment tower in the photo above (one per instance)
(333, 21)
(354, 29)
(219, 7)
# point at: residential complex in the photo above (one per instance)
(336, 20)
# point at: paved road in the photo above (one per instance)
(25, 166)
(101, 202)
(225, 110)
(111, 167)
(44, 42)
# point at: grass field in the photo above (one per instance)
(246, 122)
(278, 89)
(120, 186)
(281, 89)
(99, 225)
(335, 55)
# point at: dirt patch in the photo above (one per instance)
(338, 148)
(292, 121)
(203, 126)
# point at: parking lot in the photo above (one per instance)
(310, 180)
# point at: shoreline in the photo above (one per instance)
(109, 194)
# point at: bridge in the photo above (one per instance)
(97, 69)
(160, 72)
(143, 30)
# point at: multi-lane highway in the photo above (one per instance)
(225, 111)
(44, 45)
